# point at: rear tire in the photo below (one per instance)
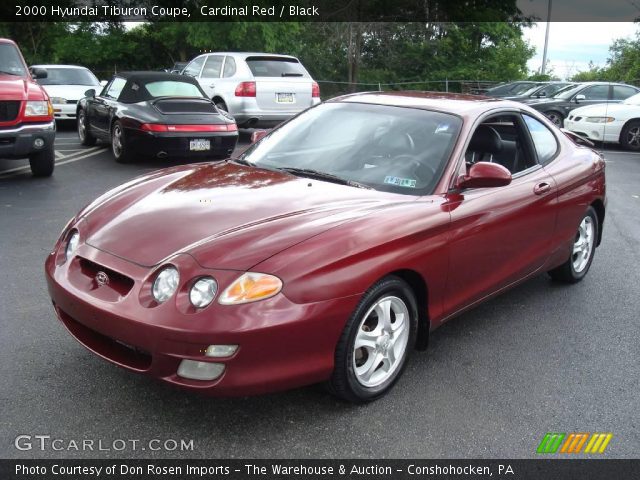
(121, 151)
(583, 250)
(630, 136)
(42, 163)
(85, 136)
(376, 342)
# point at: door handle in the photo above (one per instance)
(541, 188)
(213, 85)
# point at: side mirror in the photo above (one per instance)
(90, 93)
(579, 97)
(258, 135)
(484, 175)
(103, 83)
(38, 73)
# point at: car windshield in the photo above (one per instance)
(567, 92)
(552, 89)
(521, 88)
(10, 61)
(633, 100)
(68, 76)
(388, 148)
(172, 88)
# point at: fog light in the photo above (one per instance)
(200, 370)
(38, 143)
(220, 350)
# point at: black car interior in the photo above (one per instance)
(504, 140)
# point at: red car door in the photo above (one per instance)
(501, 235)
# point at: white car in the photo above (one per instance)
(257, 89)
(66, 84)
(608, 122)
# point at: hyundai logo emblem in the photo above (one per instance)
(102, 279)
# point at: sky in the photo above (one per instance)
(573, 44)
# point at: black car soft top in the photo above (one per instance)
(134, 90)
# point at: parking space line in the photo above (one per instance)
(90, 152)
(59, 155)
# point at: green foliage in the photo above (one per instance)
(339, 52)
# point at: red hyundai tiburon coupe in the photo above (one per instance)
(330, 249)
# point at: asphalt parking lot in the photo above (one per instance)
(540, 358)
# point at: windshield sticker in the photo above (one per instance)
(401, 182)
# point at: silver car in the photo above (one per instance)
(258, 89)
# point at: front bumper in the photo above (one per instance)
(18, 142)
(282, 344)
(599, 132)
(65, 111)
(173, 144)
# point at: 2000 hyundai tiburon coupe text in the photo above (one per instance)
(330, 249)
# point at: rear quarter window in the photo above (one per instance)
(275, 67)
(544, 140)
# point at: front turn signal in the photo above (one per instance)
(251, 287)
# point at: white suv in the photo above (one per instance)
(258, 89)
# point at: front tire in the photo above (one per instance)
(556, 118)
(42, 163)
(376, 342)
(582, 252)
(119, 144)
(85, 136)
(630, 136)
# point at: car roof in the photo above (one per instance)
(456, 103)
(58, 66)
(151, 76)
(250, 54)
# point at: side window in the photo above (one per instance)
(212, 67)
(597, 92)
(501, 139)
(116, 87)
(622, 93)
(543, 140)
(193, 69)
(229, 67)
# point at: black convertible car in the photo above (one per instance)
(155, 114)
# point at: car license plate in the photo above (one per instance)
(199, 145)
(285, 98)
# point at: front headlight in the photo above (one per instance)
(251, 287)
(58, 100)
(36, 108)
(600, 119)
(203, 292)
(165, 284)
(72, 244)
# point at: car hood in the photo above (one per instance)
(18, 88)
(602, 109)
(70, 92)
(227, 216)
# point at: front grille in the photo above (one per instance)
(72, 102)
(107, 347)
(117, 281)
(9, 110)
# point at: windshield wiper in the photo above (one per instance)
(11, 73)
(289, 74)
(329, 177)
(242, 161)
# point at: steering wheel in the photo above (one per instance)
(414, 161)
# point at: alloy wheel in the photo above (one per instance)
(381, 341)
(583, 245)
(116, 141)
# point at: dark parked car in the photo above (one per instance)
(331, 248)
(558, 107)
(510, 89)
(155, 114)
(544, 90)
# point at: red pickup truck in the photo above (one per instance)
(27, 126)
